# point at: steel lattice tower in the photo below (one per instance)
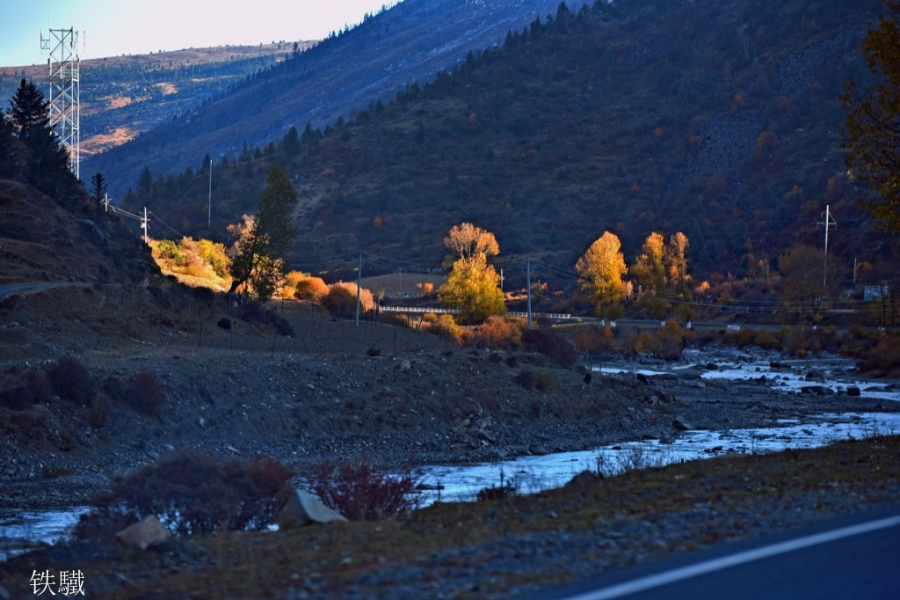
(65, 111)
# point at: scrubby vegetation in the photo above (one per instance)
(191, 493)
(362, 492)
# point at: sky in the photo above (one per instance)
(116, 27)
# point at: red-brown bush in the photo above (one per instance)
(192, 493)
(361, 492)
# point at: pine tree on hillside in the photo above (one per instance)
(98, 187)
(29, 111)
(8, 162)
(47, 164)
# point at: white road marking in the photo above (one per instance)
(717, 564)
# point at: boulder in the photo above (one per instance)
(816, 390)
(303, 509)
(854, 391)
(224, 323)
(143, 533)
(584, 480)
(680, 423)
(814, 375)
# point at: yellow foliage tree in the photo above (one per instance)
(676, 262)
(473, 286)
(600, 272)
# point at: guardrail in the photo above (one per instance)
(454, 311)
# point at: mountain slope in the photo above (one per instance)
(408, 42)
(125, 96)
(719, 119)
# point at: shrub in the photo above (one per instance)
(527, 379)
(495, 492)
(500, 332)
(556, 347)
(672, 338)
(340, 301)
(71, 381)
(883, 357)
(310, 289)
(644, 341)
(191, 493)
(545, 381)
(362, 493)
(147, 394)
(443, 326)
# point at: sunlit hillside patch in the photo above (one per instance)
(196, 263)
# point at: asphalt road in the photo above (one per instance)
(855, 557)
(22, 289)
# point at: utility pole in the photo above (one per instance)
(827, 221)
(528, 287)
(144, 225)
(105, 202)
(209, 203)
(358, 287)
(501, 279)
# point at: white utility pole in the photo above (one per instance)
(209, 203)
(358, 287)
(528, 287)
(827, 221)
(144, 226)
(105, 203)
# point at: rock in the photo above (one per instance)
(4, 593)
(584, 479)
(854, 391)
(143, 533)
(642, 378)
(712, 367)
(680, 423)
(429, 487)
(405, 365)
(587, 379)
(487, 436)
(814, 375)
(303, 508)
(538, 450)
(816, 390)
(224, 323)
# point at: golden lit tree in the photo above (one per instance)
(648, 269)
(466, 241)
(473, 286)
(600, 272)
(676, 262)
(872, 135)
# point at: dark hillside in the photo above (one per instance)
(411, 41)
(720, 119)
